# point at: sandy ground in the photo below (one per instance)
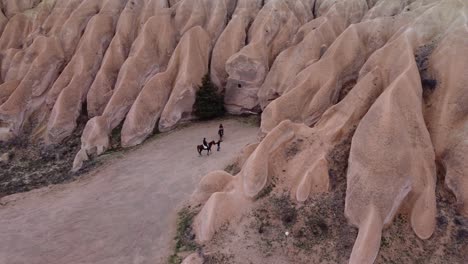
(123, 212)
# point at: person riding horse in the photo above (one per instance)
(205, 144)
(206, 147)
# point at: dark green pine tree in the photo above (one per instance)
(208, 103)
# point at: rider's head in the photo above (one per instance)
(204, 138)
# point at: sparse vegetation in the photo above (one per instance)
(208, 102)
(293, 148)
(285, 209)
(428, 86)
(175, 259)
(115, 144)
(217, 258)
(267, 189)
(317, 229)
(429, 83)
(32, 165)
(232, 168)
(252, 120)
(422, 61)
(346, 88)
(185, 238)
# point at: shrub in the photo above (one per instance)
(208, 102)
(184, 239)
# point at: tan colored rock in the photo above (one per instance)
(270, 33)
(318, 86)
(39, 74)
(6, 89)
(103, 85)
(73, 84)
(3, 22)
(446, 115)
(245, 154)
(193, 259)
(210, 15)
(134, 74)
(173, 2)
(180, 104)
(16, 30)
(188, 65)
(390, 167)
(12, 7)
(307, 164)
(5, 157)
(232, 40)
(405, 172)
(80, 158)
(142, 62)
(44, 66)
(381, 158)
(385, 8)
(211, 183)
(386, 75)
(322, 32)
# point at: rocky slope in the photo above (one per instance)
(388, 77)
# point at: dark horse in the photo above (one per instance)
(200, 148)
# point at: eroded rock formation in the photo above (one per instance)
(390, 75)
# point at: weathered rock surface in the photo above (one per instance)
(193, 259)
(389, 75)
(5, 157)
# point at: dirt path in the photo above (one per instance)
(120, 213)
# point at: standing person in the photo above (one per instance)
(221, 132)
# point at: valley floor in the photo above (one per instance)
(123, 212)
